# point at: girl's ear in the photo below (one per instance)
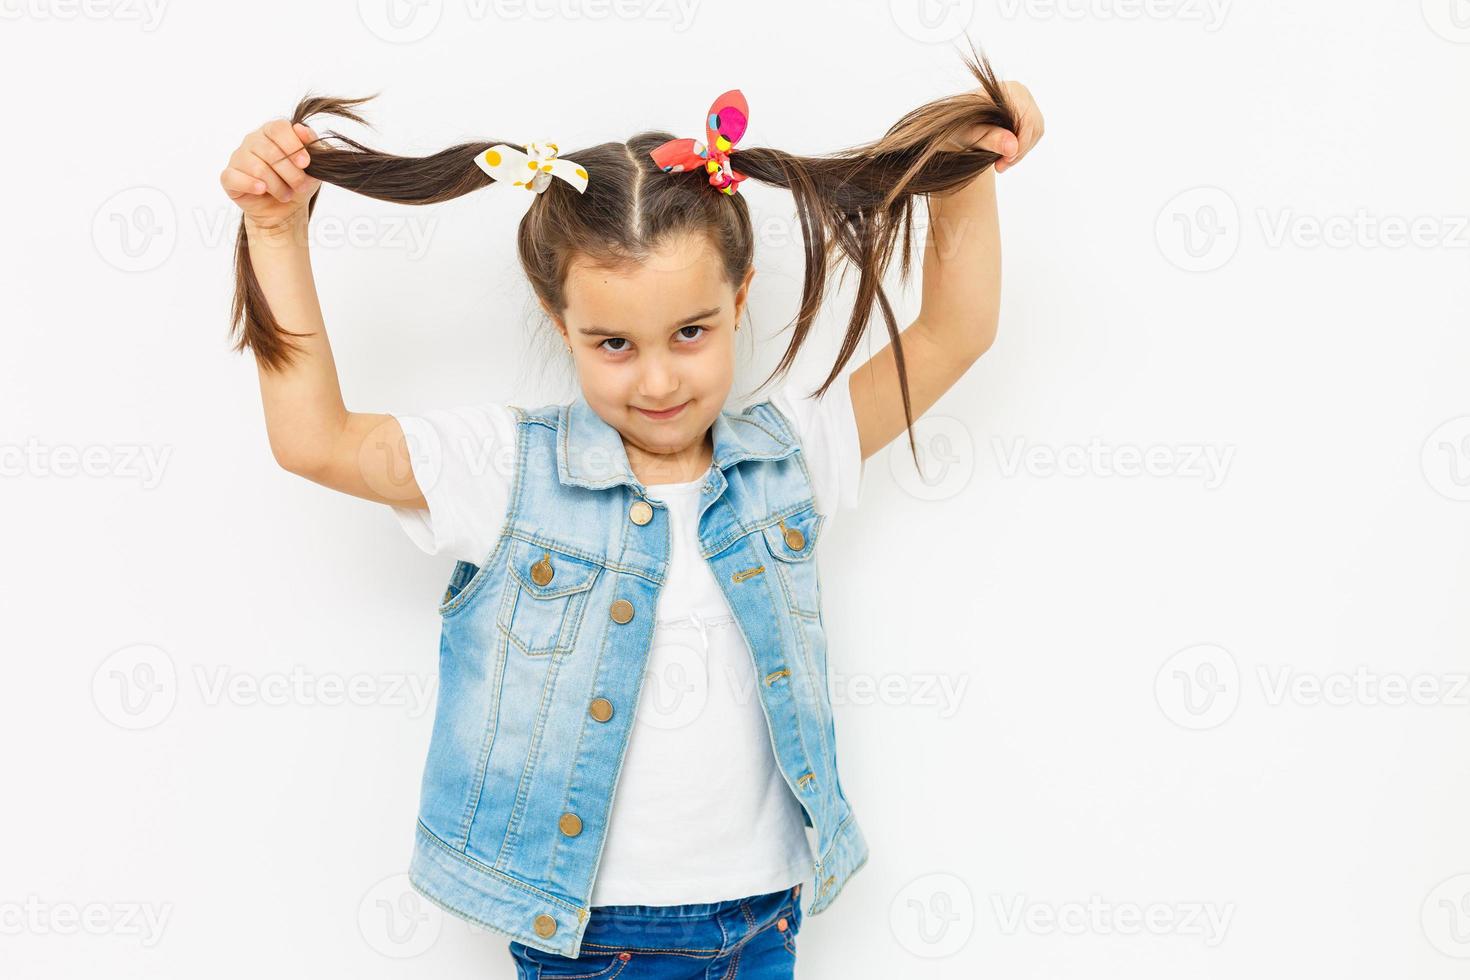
(742, 294)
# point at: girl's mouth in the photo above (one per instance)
(667, 414)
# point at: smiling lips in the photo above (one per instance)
(665, 414)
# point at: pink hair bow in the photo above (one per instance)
(725, 124)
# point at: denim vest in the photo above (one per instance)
(542, 655)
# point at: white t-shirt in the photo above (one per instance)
(701, 812)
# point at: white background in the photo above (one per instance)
(1244, 234)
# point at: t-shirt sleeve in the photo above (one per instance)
(827, 431)
(464, 463)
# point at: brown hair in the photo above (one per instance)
(857, 200)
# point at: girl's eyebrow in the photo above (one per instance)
(686, 321)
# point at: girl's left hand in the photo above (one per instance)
(1012, 146)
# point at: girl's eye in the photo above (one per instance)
(624, 340)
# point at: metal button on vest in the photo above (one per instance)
(541, 572)
(795, 540)
(622, 611)
(545, 925)
(570, 824)
(600, 709)
(641, 512)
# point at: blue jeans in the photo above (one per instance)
(750, 938)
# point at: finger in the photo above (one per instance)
(1001, 142)
(1001, 166)
(283, 134)
(266, 149)
(280, 147)
(1031, 129)
(1026, 146)
(238, 184)
(259, 167)
(308, 136)
(1029, 133)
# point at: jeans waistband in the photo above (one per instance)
(692, 910)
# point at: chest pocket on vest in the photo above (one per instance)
(545, 597)
(793, 544)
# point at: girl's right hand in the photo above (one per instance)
(265, 175)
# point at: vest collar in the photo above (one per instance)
(590, 452)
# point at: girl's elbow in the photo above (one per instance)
(985, 338)
(294, 460)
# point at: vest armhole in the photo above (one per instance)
(513, 502)
(768, 412)
(513, 499)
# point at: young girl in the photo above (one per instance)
(640, 530)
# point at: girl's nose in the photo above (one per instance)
(658, 383)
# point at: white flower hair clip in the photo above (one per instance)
(532, 169)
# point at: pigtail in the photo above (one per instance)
(855, 204)
(343, 161)
(851, 205)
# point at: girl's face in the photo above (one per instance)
(660, 335)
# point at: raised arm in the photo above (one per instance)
(960, 306)
(311, 432)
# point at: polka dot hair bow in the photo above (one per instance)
(532, 169)
(723, 127)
